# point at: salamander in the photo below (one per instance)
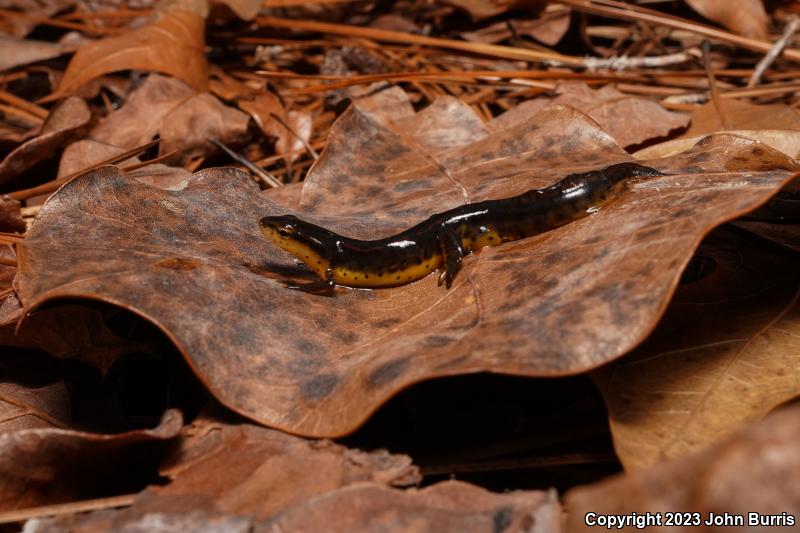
(441, 242)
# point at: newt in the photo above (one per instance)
(441, 242)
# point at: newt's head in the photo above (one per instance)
(313, 245)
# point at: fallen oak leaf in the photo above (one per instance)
(184, 119)
(783, 234)
(32, 392)
(10, 218)
(447, 506)
(358, 507)
(560, 303)
(723, 354)
(745, 17)
(87, 153)
(243, 469)
(785, 140)
(753, 471)
(610, 108)
(222, 469)
(15, 52)
(292, 129)
(742, 115)
(48, 465)
(65, 122)
(173, 44)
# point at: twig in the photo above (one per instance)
(743, 92)
(626, 63)
(8, 261)
(137, 166)
(10, 238)
(713, 89)
(633, 12)
(51, 186)
(20, 515)
(23, 104)
(775, 51)
(299, 137)
(58, 23)
(260, 173)
(495, 50)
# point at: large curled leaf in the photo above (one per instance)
(194, 263)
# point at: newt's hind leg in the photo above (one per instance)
(452, 253)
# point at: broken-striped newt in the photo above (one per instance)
(441, 241)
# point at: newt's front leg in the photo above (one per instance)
(452, 253)
(322, 285)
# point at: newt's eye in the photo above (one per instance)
(283, 233)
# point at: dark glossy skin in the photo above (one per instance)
(441, 241)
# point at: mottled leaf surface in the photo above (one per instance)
(610, 108)
(194, 263)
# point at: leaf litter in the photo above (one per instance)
(558, 304)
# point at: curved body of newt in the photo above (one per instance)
(441, 241)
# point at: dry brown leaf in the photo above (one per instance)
(742, 115)
(173, 44)
(184, 119)
(450, 506)
(613, 111)
(250, 470)
(86, 153)
(229, 470)
(19, 26)
(481, 9)
(46, 466)
(783, 234)
(244, 9)
(263, 107)
(786, 141)
(10, 216)
(7, 272)
(723, 355)
(77, 332)
(16, 52)
(753, 471)
(65, 122)
(559, 303)
(548, 29)
(32, 393)
(745, 17)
